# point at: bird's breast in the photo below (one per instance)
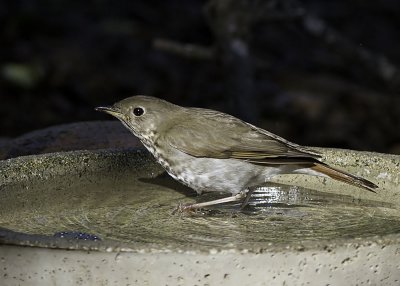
(205, 174)
(154, 148)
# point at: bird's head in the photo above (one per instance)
(142, 115)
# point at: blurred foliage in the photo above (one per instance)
(317, 72)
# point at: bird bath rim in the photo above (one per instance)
(384, 169)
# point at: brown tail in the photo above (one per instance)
(344, 177)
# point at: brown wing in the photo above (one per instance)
(209, 133)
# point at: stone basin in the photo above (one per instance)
(317, 232)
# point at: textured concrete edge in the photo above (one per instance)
(347, 265)
(11, 238)
(46, 166)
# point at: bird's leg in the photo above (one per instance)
(239, 196)
(248, 196)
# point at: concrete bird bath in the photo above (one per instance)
(322, 232)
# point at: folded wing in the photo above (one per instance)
(217, 135)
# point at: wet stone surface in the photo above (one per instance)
(130, 209)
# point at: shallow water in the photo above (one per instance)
(141, 211)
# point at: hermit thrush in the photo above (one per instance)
(210, 151)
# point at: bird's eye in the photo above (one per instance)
(138, 111)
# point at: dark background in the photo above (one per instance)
(321, 73)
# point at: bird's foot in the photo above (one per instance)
(184, 209)
(247, 197)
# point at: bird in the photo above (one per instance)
(211, 151)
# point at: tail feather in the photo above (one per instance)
(344, 177)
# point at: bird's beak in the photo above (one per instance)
(110, 110)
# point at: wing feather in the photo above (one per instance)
(221, 136)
